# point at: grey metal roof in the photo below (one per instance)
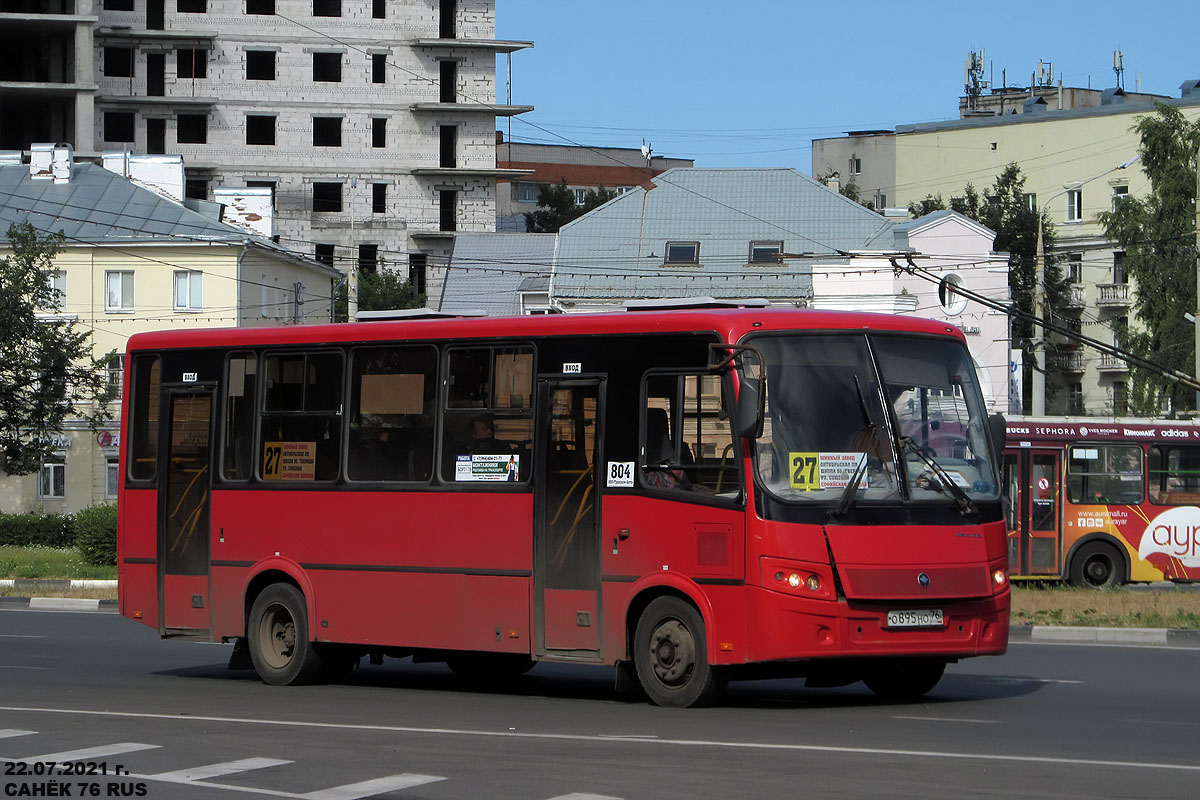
(617, 250)
(487, 271)
(97, 206)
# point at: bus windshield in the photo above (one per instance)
(900, 417)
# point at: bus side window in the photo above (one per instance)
(143, 423)
(241, 384)
(687, 438)
(488, 414)
(301, 430)
(392, 392)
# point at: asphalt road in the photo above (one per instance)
(1044, 721)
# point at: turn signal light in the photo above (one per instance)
(999, 577)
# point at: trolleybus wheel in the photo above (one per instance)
(1096, 566)
(905, 679)
(671, 654)
(277, 633)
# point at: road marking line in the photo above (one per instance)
(217, 770)
(391, 783)
(19, 666)
(580, 737)
(22, 636)
(8, 733)
(582, 796)
(951, 719)
(92, 752)
(1035, 680)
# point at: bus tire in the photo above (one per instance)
(670, 651)
(1097, 565)
(277, 633)
(905, 679)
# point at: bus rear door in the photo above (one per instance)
(183, 514)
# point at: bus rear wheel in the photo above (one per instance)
(277, 633)
(1096, 566)
(905, 679)
(670, 651)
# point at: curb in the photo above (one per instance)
(41, 583)
(1079, 635)
(58, 604)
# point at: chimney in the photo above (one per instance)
(248, 208)
(62, 161)
(41, 155)
(834, 182)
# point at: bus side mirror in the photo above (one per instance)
(996, 431)
(751, 401)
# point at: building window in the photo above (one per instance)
(378, 9)
(527, 192)
(112, 471)
(378, 131)
(447, 15)
(1075, 398)
(1119, 193)
(1075, 267)
(952, 301)
(416, 271)
(118, 5)
(855, 165)
(449, 145)
(449, 81)
(114, 376)
(624, 189)
(880, 202)
(327, 8)
(192, 128)
(260, 65)
(195, 188)
(379, 198)
(191, 63)
(188, 296)
(448, 208)
(1074, 205)
(378, 68)
(1120, 399)
(191, 6)
(52, 478)
(327, 196)
(324, 254)
(580, 196)
(260, 6)
(327, 131)
(118, 126)
(368, 257)
(57, 279)
(1119, 275)
(118, 62)
(682, 253)
(260, 130)
(765, 252)
(1030, 201)
(118, 291)
(327, 67)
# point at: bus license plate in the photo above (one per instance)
(924, 618)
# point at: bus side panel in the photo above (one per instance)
(704, 544)
(137, 541)
(434, 569)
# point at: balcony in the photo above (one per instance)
(1071, 361)
(1109, 363)
(1076, 296)
(1113, 295)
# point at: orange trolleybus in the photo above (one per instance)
(692, 496)
(1101, 502)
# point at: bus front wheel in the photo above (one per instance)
(277, 633)
(905, 679)
(1096, 566)
(671, 654)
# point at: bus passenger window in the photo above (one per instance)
(1105, 474)
(1175, 475)
(392, 392)
(301, 431)
(241, 382)
(143, 417)
(487, 426)
(687, 440)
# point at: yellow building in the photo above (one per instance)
(1077, 162)
(133, 261)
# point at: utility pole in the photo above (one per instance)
(1196, 324)
(1038, 401)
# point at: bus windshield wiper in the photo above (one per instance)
(846, 501)
(944, 483)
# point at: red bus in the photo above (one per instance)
(1101, 502)
(693, 496)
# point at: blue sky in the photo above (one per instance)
(750, 84)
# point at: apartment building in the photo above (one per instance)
(371, 121)
(1077, 161)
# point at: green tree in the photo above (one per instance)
(1005, 209)
(47, 371)
(557, 205)
(381, 290)
(1158, 234)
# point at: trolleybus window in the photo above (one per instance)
(1105, 474)
(301, 427)
(392, 401)
(1175, 475)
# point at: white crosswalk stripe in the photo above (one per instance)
(92, 752)
(8, 733)
(217, 770)
(353, 791)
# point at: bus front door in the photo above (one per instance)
(1037, 532)
(183, 515)
(567, 532)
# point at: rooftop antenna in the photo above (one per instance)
(973, 82)
(646, 151)
(1045, 73)
(1119, 68)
